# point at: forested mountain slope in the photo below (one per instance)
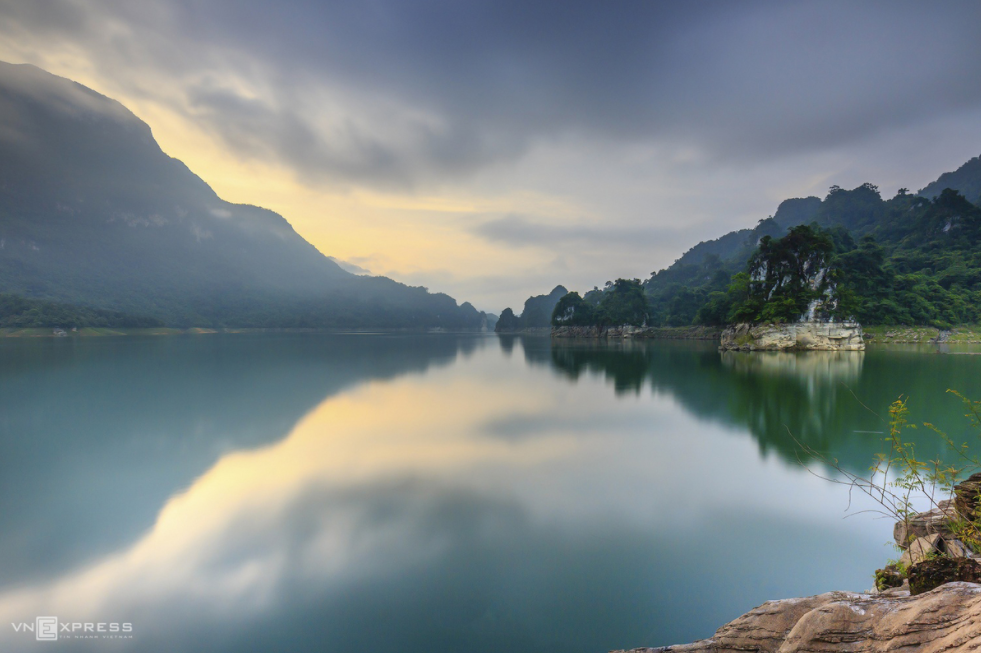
(911, 259)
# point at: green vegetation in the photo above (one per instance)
(22, 313)
(785, 277)
(910, 260)
(623, 302)
(916, 262)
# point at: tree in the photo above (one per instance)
(624, 303)
(572, 310)
(789, 276)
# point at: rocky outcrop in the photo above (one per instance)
(927, 523)
(947, 618)
(938, 530)
(929, 602)
(967, 496)
(824, 336)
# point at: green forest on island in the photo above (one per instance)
(914, 259)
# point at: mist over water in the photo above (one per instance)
(335, 492)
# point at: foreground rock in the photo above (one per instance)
(821, 336)
(967, 497)
(935, 521)
(929, 574)
(947, 618)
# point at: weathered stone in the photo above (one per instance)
(929, 574)
(922, 548)
(925, 523)
(957, 549)
(945, 619)
(827, 336)
(966, 496)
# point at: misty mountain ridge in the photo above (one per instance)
(93, 212)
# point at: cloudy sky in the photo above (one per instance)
(494, 149)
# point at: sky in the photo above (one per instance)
(495, 149)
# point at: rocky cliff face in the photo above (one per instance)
(842, 336)
(947, 618)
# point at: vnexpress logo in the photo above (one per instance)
(49, 629)
(46, 629)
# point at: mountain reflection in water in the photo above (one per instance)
(438, 492)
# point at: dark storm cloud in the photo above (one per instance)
(423, 91)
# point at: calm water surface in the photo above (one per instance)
(432, 493)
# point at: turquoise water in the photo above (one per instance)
(434, 492)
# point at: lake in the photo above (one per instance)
(410, 493)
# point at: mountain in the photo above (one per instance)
(740, 244)
(537, 312)
(912, 259)
(736, 247)
(94, 213)
(966, 180)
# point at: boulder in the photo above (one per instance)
(966, 496)
(929, 574)
(922, 548)
(957, 549)
(947, 618)
(926, 523)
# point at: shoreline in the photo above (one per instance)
(638, 333)
(968, 334)
(102, 332)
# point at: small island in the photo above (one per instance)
(790, 297)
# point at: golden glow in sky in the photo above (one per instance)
(494, 157)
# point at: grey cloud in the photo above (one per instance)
(675, 122)
(352, 150)
(523, 231)
(474, 84)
